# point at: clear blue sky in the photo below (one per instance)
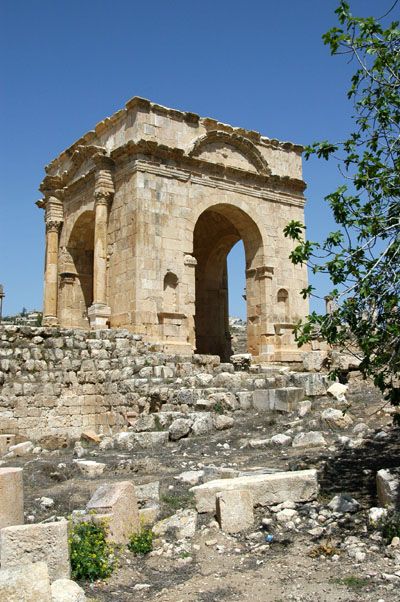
(67, 64)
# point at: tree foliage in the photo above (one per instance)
(362, 257)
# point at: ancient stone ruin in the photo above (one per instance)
(141, 214)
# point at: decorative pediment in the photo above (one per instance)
(231, 150)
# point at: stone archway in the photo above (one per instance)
(76, 272)
(217, 230)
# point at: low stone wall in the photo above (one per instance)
(59, 382)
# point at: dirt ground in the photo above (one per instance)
(218, 567)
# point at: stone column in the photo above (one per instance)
(51, 274)
(99, 313)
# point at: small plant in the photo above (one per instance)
(142, 542)
(390, 526)
(218, 408)
(352, 582)
(176, 501)
(92, 557)
(324, 549)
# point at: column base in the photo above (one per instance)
(99, 316)
(51, 321)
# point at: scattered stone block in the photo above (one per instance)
(11, 497)
(235, 510)
(375, 515)
(314, 384)
(129, 440)
(91, 437)
(28, 582)
(180, 428)
(281, 439)
(388, 488)
(264, 400)
(148, 515)
(267, 489)
(117, 504)
(304, 408)
(313, 361)
(287, 398)
(65, 590)
(90, 468)
(6, 441)
(336, 419)
(203, 425)
(338, 391)
(183, 524)
(190, 477)
(22, 449)
(222, 422)
(46, 542)
(310, 439)
(343, 503)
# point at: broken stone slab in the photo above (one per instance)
(145, 424)
(267, 489)
(90, 468)
(183, 524)
(91, 437)
(338, 391)
(129, 440)
(388, 487)
(6, 441)
(116, 504)
(263, 400)
(310, 439)
(336, 419)
(190, 477)
(34, 543)
(22, 449)
(27, 582)
(11, 497)
(235, 510)
(313, 384)
(66, 590)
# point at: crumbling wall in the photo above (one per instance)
(60, 381)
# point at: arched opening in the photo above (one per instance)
(236, 262)
(217, 230)
(170, 291)
(76, 272)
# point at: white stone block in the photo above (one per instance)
(235, 510)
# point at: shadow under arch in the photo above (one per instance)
(76, 272)
(217, 230)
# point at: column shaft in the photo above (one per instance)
(51, 273)
(100, 253)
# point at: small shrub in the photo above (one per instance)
(142, 542)
(177, 501)
(352, 582)
(390, 526)
(92, 557)
(218, 407)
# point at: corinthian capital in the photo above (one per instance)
(53, 225)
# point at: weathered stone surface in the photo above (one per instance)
(11, 497)
(264, 400)
(130, 440)
(180, 428)
(343, 503)
(235, 510)
(281, 439)
(202, 425)
(388, 487)
(267, 489)
(148, 492)
(314, 384)
(222, 422)
(287, 398)
(27, 582)
(65, 590)
(5, 443)
(22, 449)
(313, 361)
(336, 419)
(90, 468)
(118, 503)
(338, 391)
(310, 439)
(34, 543)
(183, 524)
(191, 477)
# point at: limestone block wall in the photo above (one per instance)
(60, 381)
